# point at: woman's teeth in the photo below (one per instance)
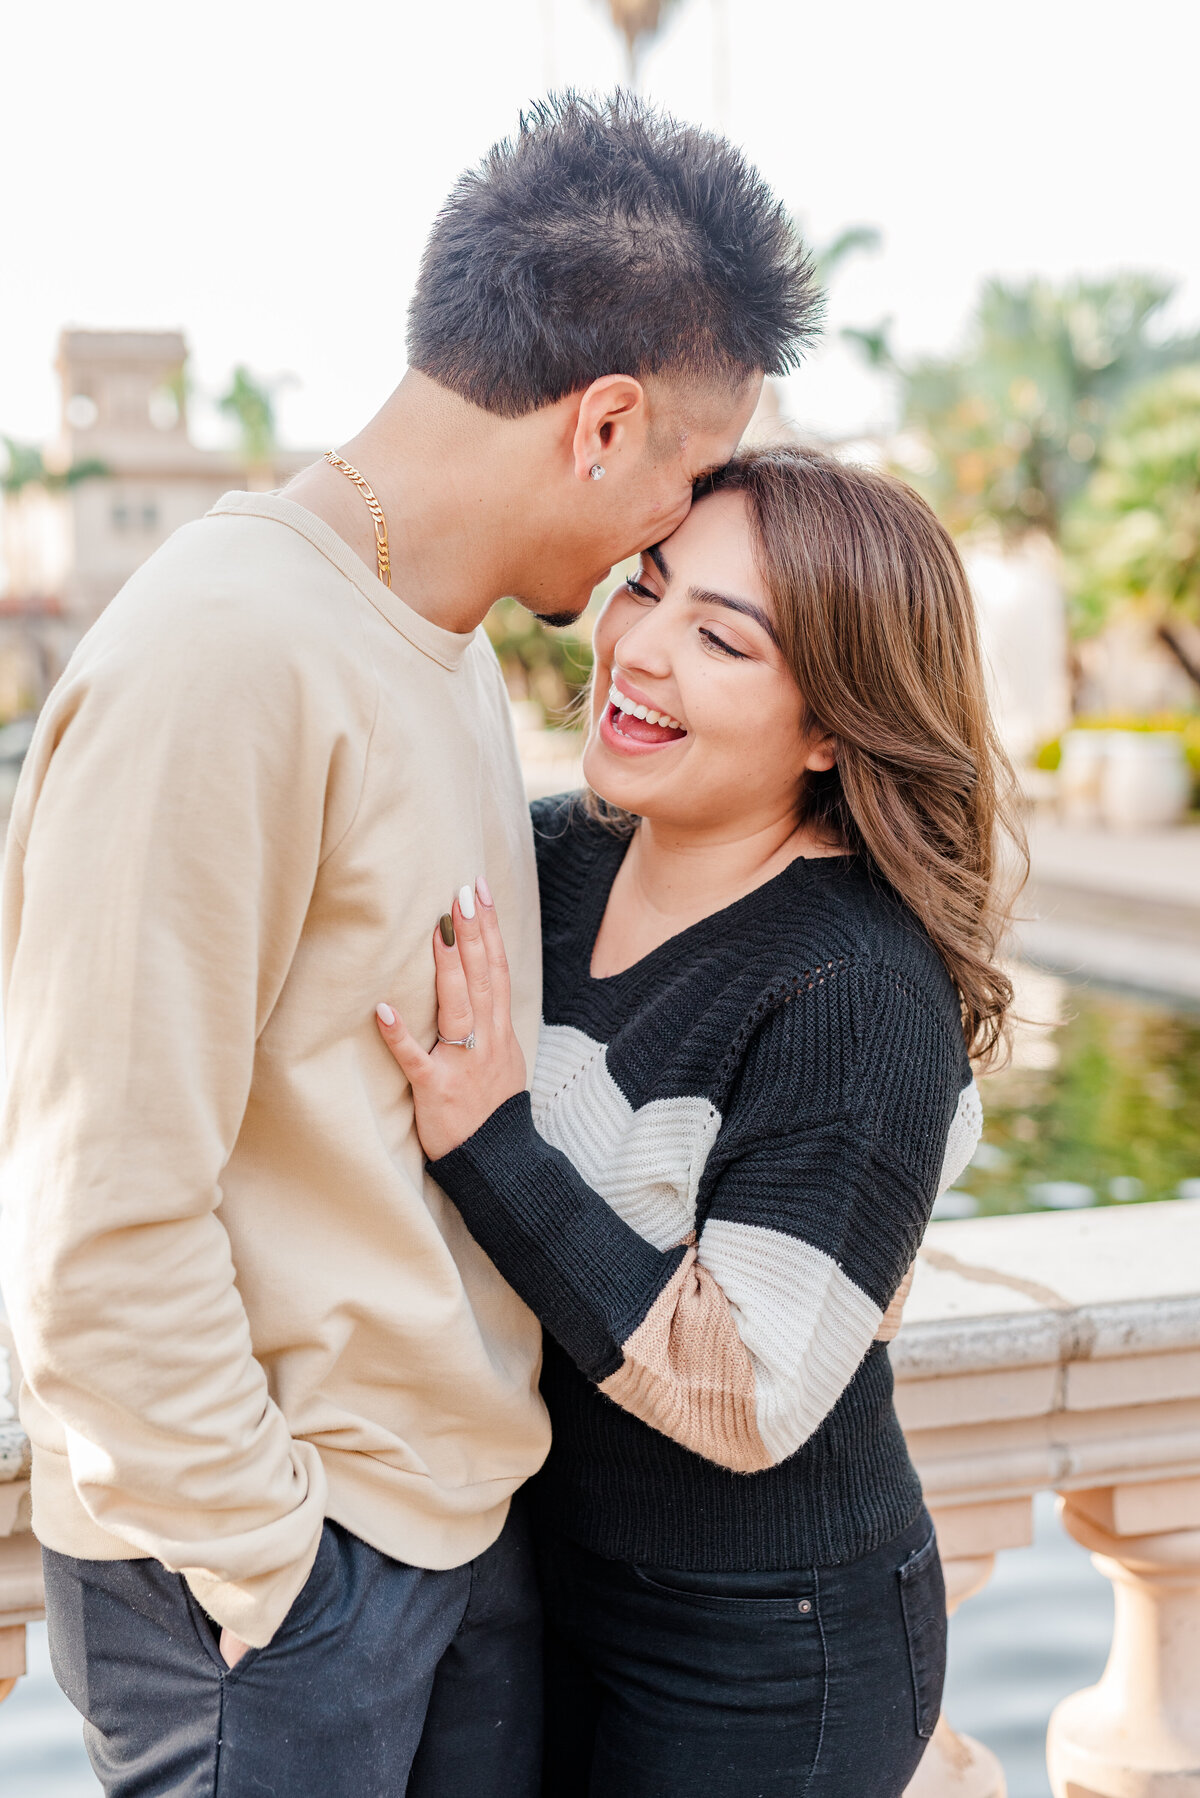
(623, 703)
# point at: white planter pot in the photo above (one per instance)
(1144, 782)
(1081, 775)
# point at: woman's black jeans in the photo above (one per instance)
(824, 1683)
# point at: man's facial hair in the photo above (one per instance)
(558, 620)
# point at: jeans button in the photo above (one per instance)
(805, 1605)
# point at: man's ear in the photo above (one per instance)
(611, 422)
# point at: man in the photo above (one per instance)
(279, 1399)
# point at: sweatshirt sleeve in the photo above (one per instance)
(737, 1345)
(182, 785)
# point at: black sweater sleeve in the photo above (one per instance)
(817, 1190)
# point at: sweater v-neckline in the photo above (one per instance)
(610, 856)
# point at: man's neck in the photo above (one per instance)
(443, 472)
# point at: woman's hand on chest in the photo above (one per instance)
(477, 1063)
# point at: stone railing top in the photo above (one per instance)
(1053, 1287)
(991, 1293)
(15, 1453)
(14, 1444)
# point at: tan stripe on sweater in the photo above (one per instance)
(688, 1373)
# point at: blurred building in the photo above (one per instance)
(1023, 628)
(121, 475)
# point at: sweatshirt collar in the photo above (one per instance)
(446, 647)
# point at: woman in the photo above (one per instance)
(768, 953)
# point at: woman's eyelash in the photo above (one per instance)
(725, 648)
(635, 586)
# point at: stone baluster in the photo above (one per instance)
(20, 1557)
(12, 1658)
(1137, 1733)
(20, 1603)
(957, 1766)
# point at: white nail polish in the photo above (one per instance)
(466, 901)
(386, 1015)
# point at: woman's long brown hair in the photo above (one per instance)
(877, 624)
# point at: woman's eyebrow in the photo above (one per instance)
(704, 596)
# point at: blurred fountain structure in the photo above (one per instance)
(1023, 625)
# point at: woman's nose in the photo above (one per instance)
(645, 646)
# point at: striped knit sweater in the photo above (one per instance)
(721, 1176)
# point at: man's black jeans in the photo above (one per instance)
(384, 1681)
(818, 1684)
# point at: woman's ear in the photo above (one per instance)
(822, 755)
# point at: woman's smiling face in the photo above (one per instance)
(696, 719)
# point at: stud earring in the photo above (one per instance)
(597, 471)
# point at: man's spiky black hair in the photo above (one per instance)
(605, 238)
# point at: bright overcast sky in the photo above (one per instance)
(262, 175)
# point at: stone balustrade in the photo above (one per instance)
(20, 1558)
(1062, 1352)
(1044, 1352)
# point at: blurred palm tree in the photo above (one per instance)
(872, 342)
(1014, 423)
(24, 474)
(26, 468)
(252, 404)
(638, 21)
(849, 242)
(1133, 537)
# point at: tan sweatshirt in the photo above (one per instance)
(240, 1304)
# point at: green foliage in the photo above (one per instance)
(86, 470)
(1121, 1104)
(550, 667)
(252, 404)
(849, 242)
(872, 342)
(26, 468)
(1014, 423)
(1134, 535)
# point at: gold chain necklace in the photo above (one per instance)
(382, 555)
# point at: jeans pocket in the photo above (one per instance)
(923, 1601)
(308, 1600)
(749, 1595)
